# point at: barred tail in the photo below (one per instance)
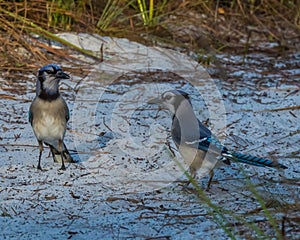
(57, 156)
(256, 161)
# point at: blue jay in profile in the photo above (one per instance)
(49, 114)
(195, 142)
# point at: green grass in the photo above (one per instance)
(150, 12)
(111, 11)
(57, 13)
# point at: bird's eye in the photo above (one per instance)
(48, 71)
(168, 97)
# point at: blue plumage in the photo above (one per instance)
(50, 68)
(256, 161)
(189, 134)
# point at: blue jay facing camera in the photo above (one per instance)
(195, 142)
(49, 114)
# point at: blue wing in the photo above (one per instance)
(204, 140)
(30, 115)
(213, 144)
(67, 112)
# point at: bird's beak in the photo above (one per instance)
(62, 75)
(157, 101)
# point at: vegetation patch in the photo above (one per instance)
(203, 27)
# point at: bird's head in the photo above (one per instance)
(171, 99)
(48, 78)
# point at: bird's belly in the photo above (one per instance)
(198, 159)
(191, 155)
(49, 129)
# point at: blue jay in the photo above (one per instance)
(49, 114)
(195, 142)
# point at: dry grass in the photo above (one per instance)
(193, 25)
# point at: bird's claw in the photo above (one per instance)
(63, 168)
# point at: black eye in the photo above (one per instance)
(48, 71)
(168, 97)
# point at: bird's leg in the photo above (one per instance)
(60, 146)
(211, 175)
(193, 172)
(41, 148)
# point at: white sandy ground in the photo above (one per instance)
(126, 184)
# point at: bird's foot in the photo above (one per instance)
(63, 168)
(41, 169)
(211, 175)
(188, 183)
(207, 187)
(184, 183)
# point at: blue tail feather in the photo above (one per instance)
(256, 161)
